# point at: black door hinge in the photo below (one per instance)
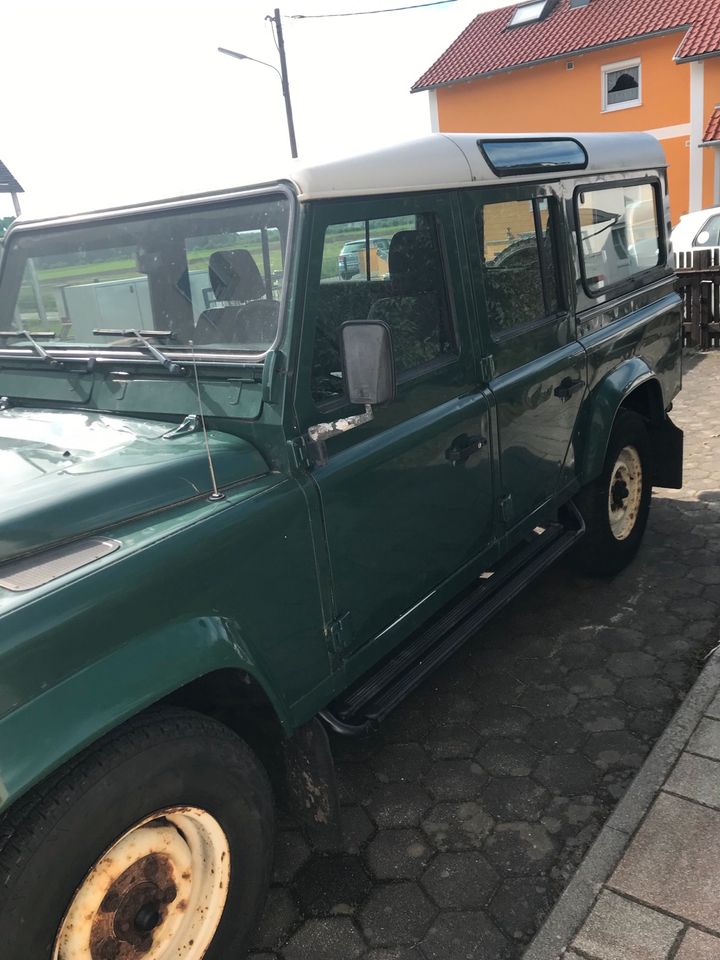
(487, 368)
(505, 506)
(306, 453)
(340, 636)
(299, 453)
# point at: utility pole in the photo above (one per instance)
(282, 73)
(285, 82)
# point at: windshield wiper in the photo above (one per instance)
(173, 368)
(38, 350)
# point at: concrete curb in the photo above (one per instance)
(574, 905)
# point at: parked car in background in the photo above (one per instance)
(697, 231)
(352, 259)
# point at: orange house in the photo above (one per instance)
(593, 65)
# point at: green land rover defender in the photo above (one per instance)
(246, 499)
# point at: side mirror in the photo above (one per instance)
(369, 372)
(367, 359)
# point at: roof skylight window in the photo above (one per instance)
(530, 12)
(514, 156)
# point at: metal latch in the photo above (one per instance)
(507, 510)
(487, 368)
(299, 454)
(340, 637)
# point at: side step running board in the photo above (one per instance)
(371, 699)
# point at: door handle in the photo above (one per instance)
(464, 447)
(567, 387)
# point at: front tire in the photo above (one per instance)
(155, 843)
(616, 505)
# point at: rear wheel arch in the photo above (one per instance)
(647, 400)
(634, 388)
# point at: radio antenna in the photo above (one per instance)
(215, 495)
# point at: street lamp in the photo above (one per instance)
(282, 73)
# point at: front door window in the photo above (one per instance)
(388, 269)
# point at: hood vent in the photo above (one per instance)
(42, 568)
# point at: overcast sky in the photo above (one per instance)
(106, 102)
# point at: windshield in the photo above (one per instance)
(209, 275)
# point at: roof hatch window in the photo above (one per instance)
(531, 12)
(511, 158)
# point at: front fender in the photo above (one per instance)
(604, 401)
(46, 731)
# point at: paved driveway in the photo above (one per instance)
(467, 814)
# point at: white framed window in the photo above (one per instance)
(621, 85)
(528, 12)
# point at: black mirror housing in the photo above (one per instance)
(368, 363)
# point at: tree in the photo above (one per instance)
(5, 224)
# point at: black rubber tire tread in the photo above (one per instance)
(31, 821)
(598, 553)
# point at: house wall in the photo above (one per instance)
(551, 97)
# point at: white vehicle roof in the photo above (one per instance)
(446, 160)
(436, 161)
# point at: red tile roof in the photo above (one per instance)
(487, 45)
(712, 134)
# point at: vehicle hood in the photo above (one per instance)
(65, 474)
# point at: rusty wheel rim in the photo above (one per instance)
(158, 893)
(625, 493)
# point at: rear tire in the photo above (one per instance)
(615, 506)
(156, 839)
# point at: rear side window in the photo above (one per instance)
(519, 255)
(619, 233)
(709, 236)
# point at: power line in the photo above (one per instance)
(365, 13)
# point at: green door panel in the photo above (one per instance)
(536, 426)
(400, 517)
(538, 368)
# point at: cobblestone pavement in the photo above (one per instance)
(468, 813)
(637, 912)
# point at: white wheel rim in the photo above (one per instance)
(158, 893)
(625, 493)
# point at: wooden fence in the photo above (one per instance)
(699, 284)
